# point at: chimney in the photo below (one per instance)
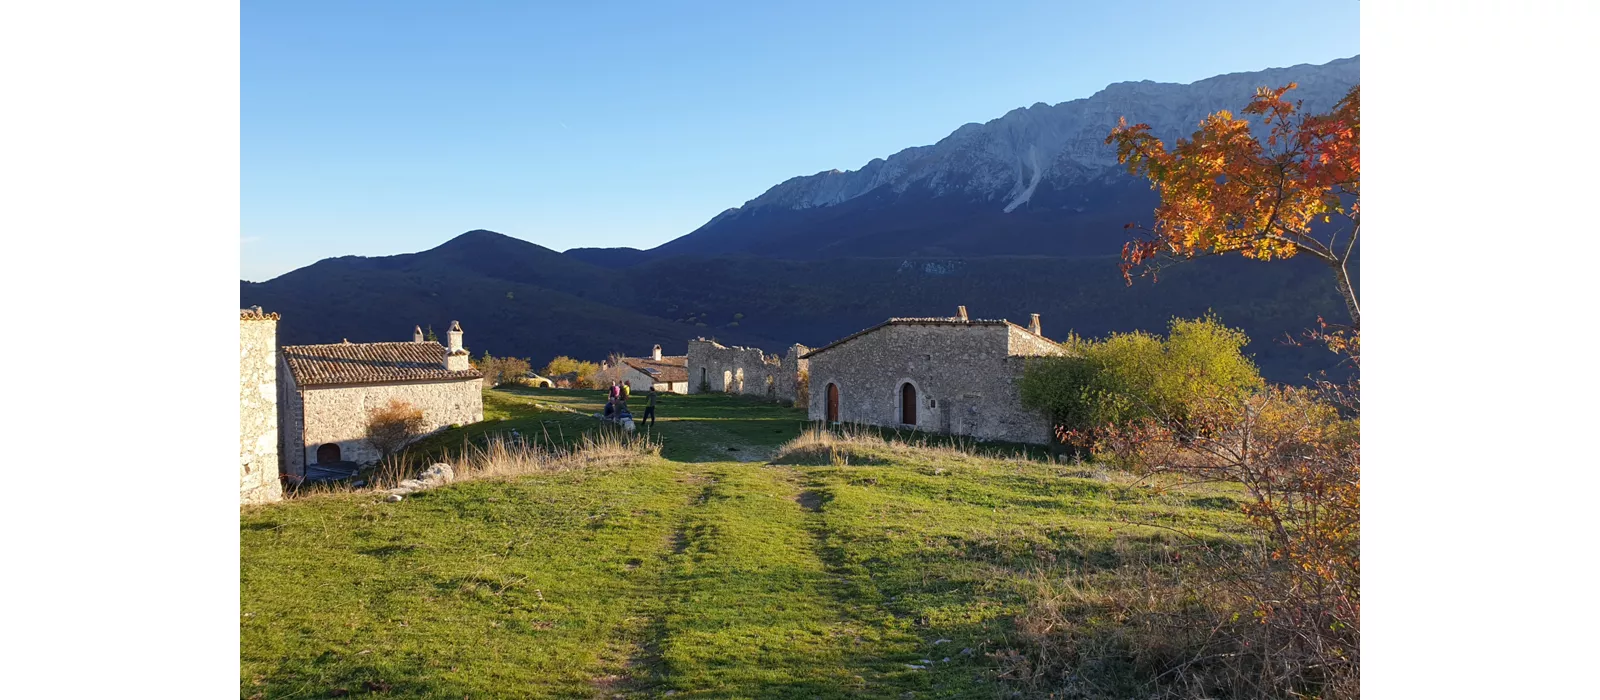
(1033, 325)
(655, 354)
(455, 356)
(416, 335)
(961, 313)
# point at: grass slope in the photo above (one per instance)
(876, 571)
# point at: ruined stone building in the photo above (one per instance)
(946, 375)
(663, 373)
(258, 407)
(713, 367)
(328, 391)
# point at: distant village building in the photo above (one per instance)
(714, 367)
(258, 407)
(946, 375)
(666, 374)
(328, 392)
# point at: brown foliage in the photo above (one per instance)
(391, 427)
(502, 370)
(1298, 454)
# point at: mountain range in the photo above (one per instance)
(1022, 214)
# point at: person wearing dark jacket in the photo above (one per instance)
(649, 408)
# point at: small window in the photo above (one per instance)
(932, 403)
(328, 454)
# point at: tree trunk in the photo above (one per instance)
(1348, 291)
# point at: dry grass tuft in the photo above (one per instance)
(504, 457)
(848, 445)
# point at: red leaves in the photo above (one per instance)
(1223, 191)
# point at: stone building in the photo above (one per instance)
(328, 391)
(663, 373)
(945, 375)
(258, 407)
(713, 367)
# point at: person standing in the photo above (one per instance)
(649, 408)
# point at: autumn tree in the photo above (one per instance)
(1224, 191)
(502, 370)
(393, 426)
(562, 364)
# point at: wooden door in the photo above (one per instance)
(908, 404)
(328, 454)
(833, 403)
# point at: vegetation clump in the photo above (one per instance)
(1128, 377)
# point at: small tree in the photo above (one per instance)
(391, 427)
(1223, 191)
(502, 370)
(430, 336)
(585, 370)
(1133, 376)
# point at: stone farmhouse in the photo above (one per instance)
(327, 391)
(664, 374)
(713, 367)
(946, 375)
(258, 407)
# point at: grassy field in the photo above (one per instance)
(723, 568)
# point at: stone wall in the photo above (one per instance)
(741, 370)
(338, 414)
(258, 408)
(790, 370)
(965, 379)
(290, 426)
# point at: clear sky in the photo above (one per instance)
(389, 126)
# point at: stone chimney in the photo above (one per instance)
(455, 356)
(655, 354)
(1033, 325)
(961, 313)
(416, 335)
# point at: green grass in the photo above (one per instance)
(706, 572)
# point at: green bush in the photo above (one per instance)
(1129, 376)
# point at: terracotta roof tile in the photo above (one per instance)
(669, 369)
(932, 321)
(363, 363)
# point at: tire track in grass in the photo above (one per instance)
(642, 674)
(752, 611)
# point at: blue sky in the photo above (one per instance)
(376, 128)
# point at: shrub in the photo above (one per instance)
(502, 370)
(391, 427)
(1129, 377)
(1299, 460)
(585, 370)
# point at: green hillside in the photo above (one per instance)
(740, 563)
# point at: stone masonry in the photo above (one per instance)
(741, 370)
(962, 376)
(328, 391)
(258, 407)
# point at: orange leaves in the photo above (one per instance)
(1224, 191)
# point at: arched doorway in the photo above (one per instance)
(908, 404)
(833, 403)
(328, 454)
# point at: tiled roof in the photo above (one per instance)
(254, 313)
(365, 363)
(669, 369)
(920, 322)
